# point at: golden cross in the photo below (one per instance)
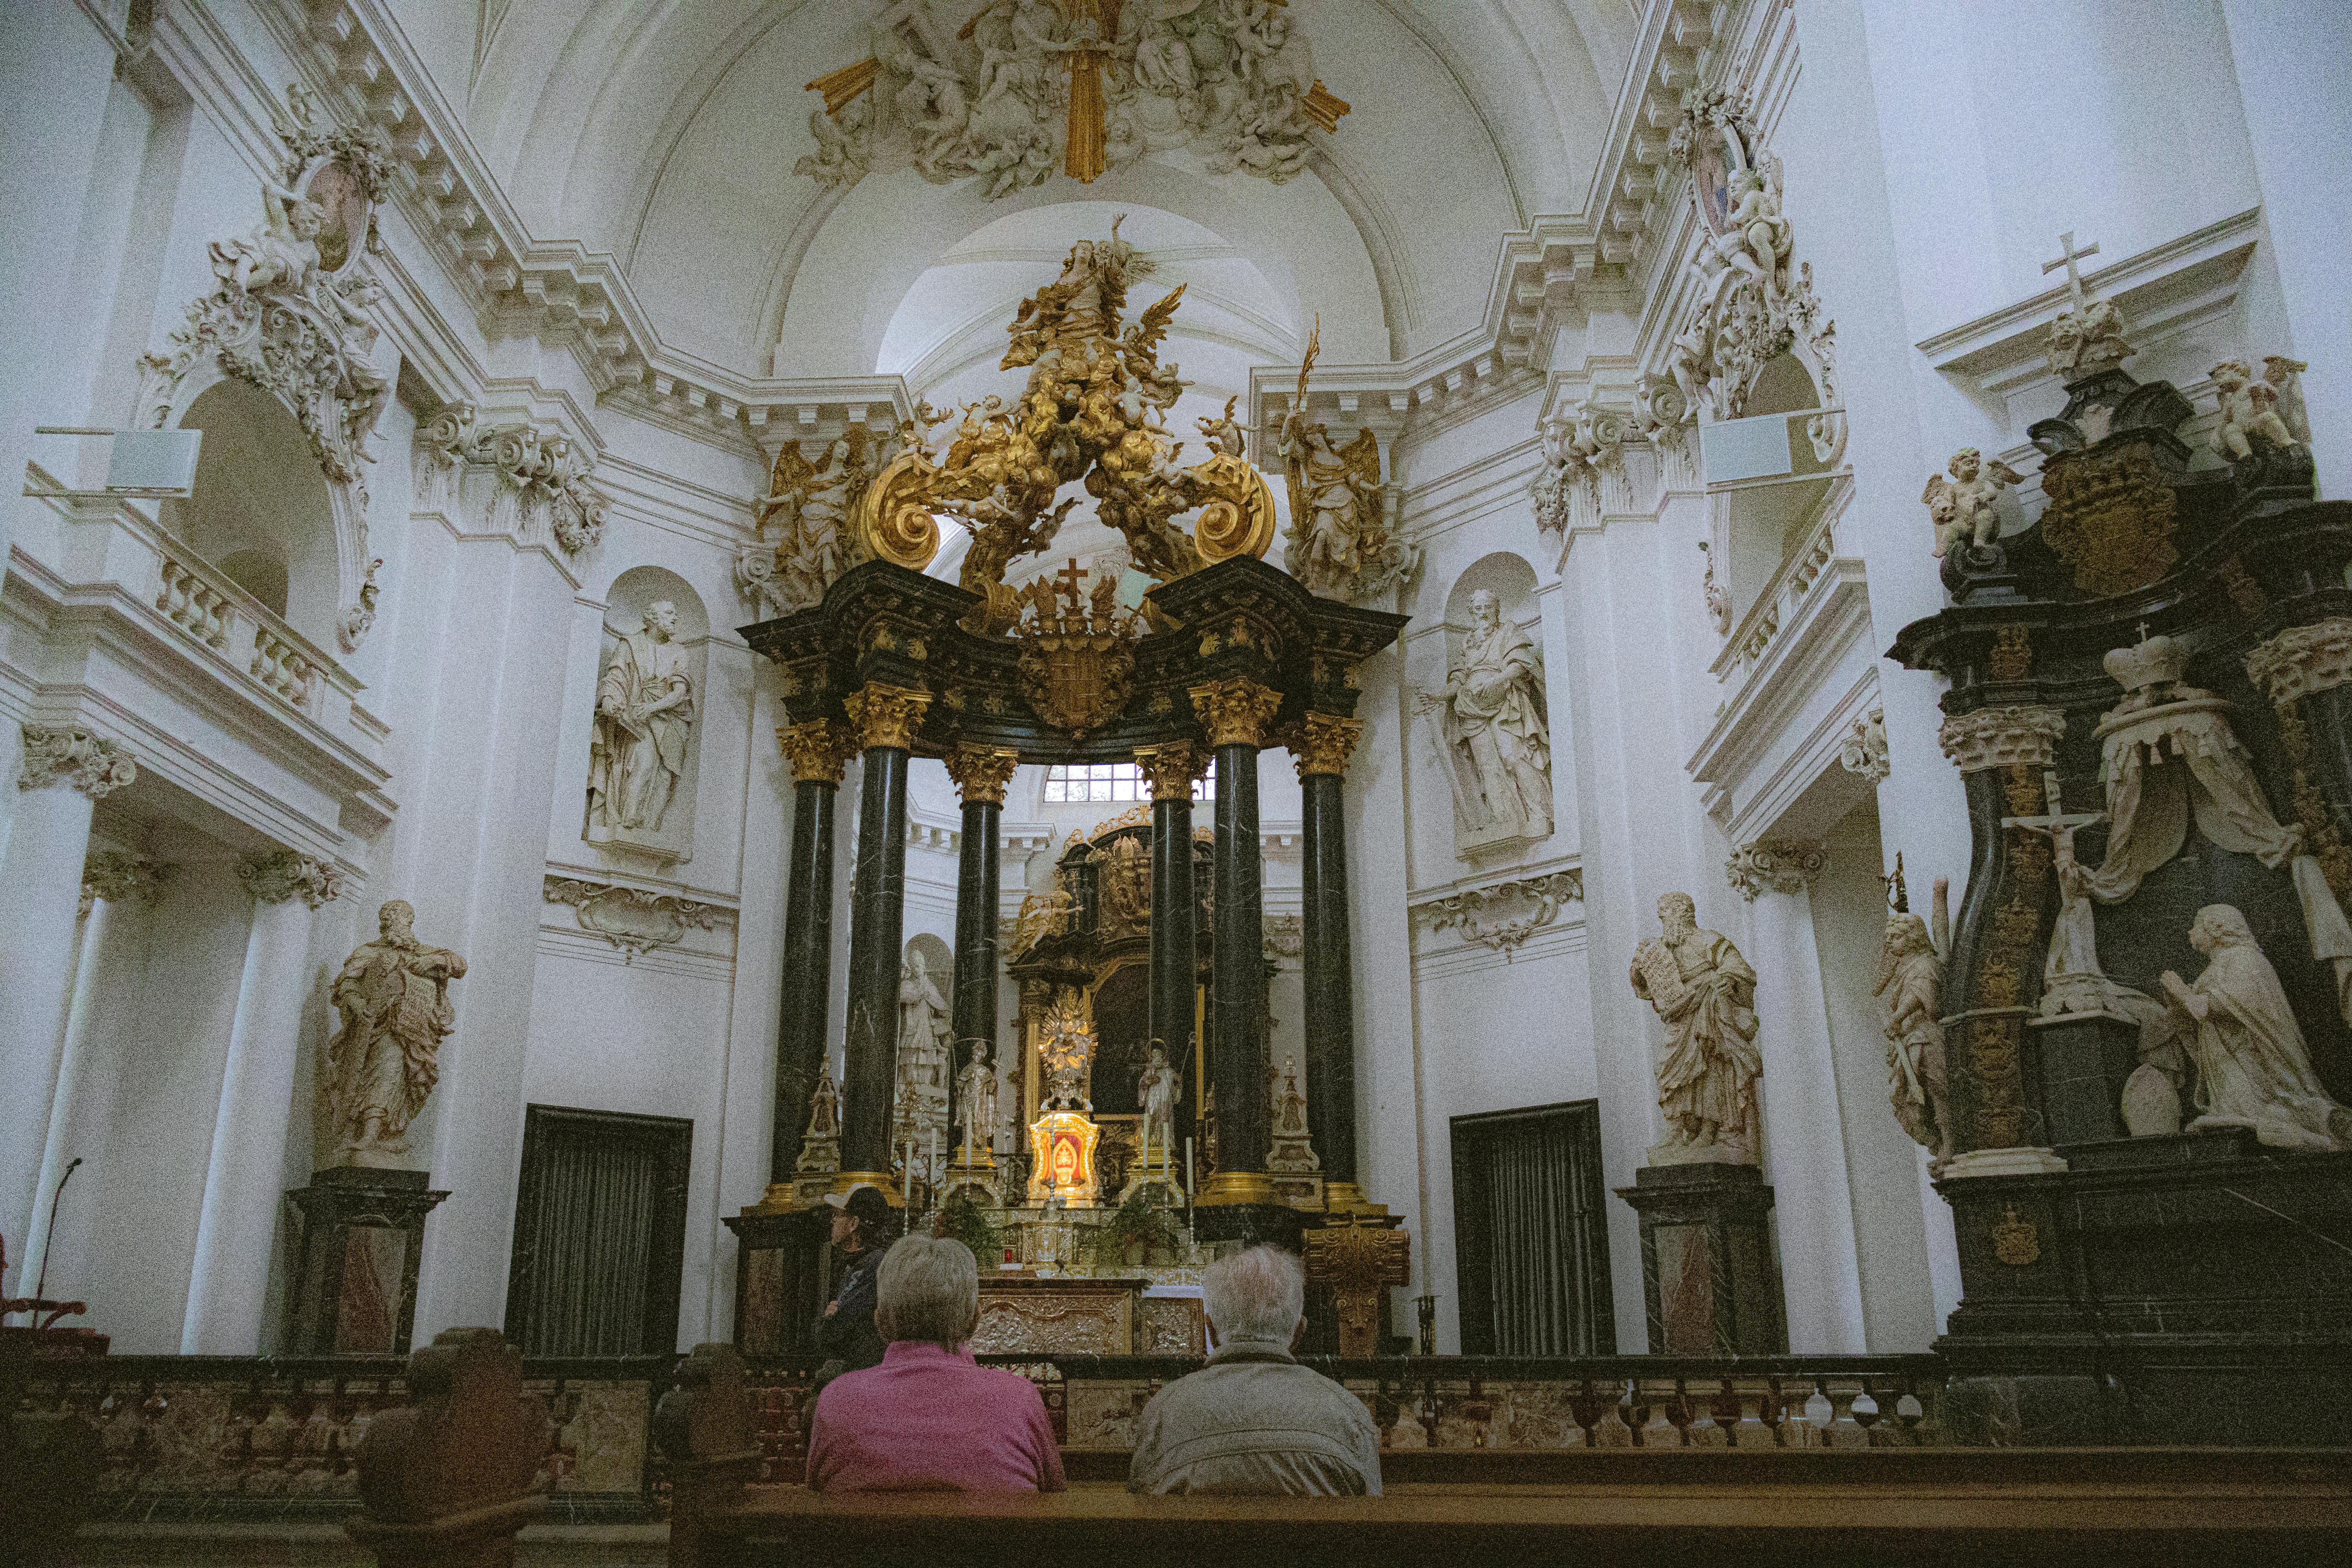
(1070, 576)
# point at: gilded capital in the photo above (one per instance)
(981, 773)
(1236, 711)
(65, 755)
(819, 750)
(1173, 768)
(886, 715)
(1324, 743)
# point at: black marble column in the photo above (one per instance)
(819, 752)
(981, 774)
(1175, 961)
(887, 717)
(1322, 752)
(1235, 713)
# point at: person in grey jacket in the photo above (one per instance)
(1254, 1420)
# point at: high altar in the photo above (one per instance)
(1223, 656)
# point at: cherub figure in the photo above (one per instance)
(1964, 507)
(1225, 432)
(2281, 376)
(282, 254)
(1757, 238)
(2249, 413)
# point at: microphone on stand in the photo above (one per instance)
(40, 1285)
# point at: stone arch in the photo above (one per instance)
(619, 815)
(260, 510)
(1761, 527)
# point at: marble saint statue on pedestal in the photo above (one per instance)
(394, 995)
(1703, 992)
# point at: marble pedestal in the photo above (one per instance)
(2075, 1067)
(2176, 1289)
(354, 1282)
(1709, 1276)
(780, 1278)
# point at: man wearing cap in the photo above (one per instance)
(861, 1228)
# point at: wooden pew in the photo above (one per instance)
(2047, 1507)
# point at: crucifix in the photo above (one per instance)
(2067, 260)
(1069, 577)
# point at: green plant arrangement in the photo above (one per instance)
(964, 1222)
(1135, 1221)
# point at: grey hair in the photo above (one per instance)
(1257, 1294)
(927, 1289)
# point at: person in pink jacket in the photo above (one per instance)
(929, 1418)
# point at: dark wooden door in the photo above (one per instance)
(1531, 1233)
(600, 1233)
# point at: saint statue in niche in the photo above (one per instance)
(1496, 730)
(394, 995)
(645, 717)
(923, 1059)
(2253, 1067)
(1703, 993)
(976, 1102)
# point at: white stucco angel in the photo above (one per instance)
(1910, 988)
(1965, 507)
(2249, 415)
(280, 256)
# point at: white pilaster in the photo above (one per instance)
(1804, 1137)
(245, 1182)
(65, 771)
(2292, 60)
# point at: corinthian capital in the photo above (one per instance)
(981, 773)
(1778, 864)
(2003, 737)
(886, 715)
(2304, 660)
(274, 877)
(65, 755)
(1324, 743)
(110, 875)
(1236, 711)
(818, 749)
(1171, 767)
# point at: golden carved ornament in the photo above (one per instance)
(2015, 1241)
(1358, 1261)
(1239, 517)
(894, 517)
(1236, 711)
(1078, 652)
(2109, 519)
(981, 773)
(1324, 743)
(819, 750)
(886, 715)
(1171, 767)
(2012, 654)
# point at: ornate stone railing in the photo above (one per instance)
(249, 1438)
(1787, 599)
(101, 547)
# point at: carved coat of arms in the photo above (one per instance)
(1077, 659)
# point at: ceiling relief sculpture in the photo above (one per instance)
(1027, 87)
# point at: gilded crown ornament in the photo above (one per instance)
(1078, 652)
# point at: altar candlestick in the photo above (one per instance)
(907, 1184)
(1188, 1172)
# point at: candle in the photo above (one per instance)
(1188, 1172)
(906, 1188)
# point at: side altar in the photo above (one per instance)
(2132, 1059)
(1220, 658)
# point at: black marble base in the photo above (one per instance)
(354, 1282)
(1250, 1224)
(2192, 1288)
(2076, 1066)
(783, 1271)
(1708, 1275)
